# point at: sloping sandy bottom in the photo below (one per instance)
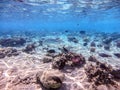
(19, 73)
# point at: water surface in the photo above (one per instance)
(60, 15)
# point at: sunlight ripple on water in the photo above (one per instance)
(60, 10)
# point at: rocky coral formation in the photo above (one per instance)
(104, 55)
(51, 79)
(92, 44)
(116, 74)
(102, 74)
(72, 39)
(92, 49)
(107, 40)
(86, 39)
(82, 32)
(92, 59)
(64, 50)
(118, 43)
(107, 47)
(71, 59)
(85, 44)
(2, 55)
(117, 55)
(51, 51)
(29, 48)
(12, 42)
(8, 52)
(33, 71)
(59, 63)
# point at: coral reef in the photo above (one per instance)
(116, 74)
(48, 59)
(59, 63)
(107, 40)
(102, 74)
(107, 47)
(72, 39)
(104, 55)
(71, 59)
(86, 39)
(118, 43)
(11, 42)
(85, 44)
(82, 32)
(92, 44)
(8, 52)
(51, 51)
(99, 74)
(64, 49)
(92, 49)
(117, 55)
(92, 59)
(29, 48)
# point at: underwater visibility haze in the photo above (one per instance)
(59, 44)
(100, 15)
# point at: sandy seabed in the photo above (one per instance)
(18, 72)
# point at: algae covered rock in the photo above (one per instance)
(51, 79)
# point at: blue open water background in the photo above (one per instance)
(58, 15)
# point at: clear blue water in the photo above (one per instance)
(57, 15)
(37, 35)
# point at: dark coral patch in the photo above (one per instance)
(117, 55)
(104, 55)
(72, 59)
(12, 42)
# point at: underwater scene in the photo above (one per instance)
(59, 44)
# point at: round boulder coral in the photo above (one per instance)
(52, 79)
